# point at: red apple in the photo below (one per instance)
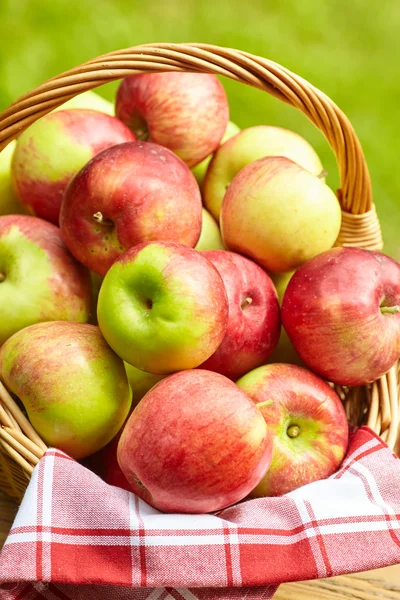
(52, 150)
(254, 315)
(194, 444)
(39, 279)
(163, 307)
(105, 464)
(341, 311)
(307, 421)
(186, 112)
(129, 194)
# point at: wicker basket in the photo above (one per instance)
(376, 405)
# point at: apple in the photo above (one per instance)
(105, 464)
(341, 311)
(53, 149)
(163, 307)
(292, 216)
(210, 236)
(141, 382)
(127, 195)
(284, 351)
(185, 112)
(307, 422)
(249, 145)
(194, 444)
(89, 100)
(200, 170)
(254, 316)
(73, 386)
(9, 203)
(39, 279)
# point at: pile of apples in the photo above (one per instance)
(148, 262)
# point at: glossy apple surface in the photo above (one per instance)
(141, 382)
(185, 112)
(9, 202)
(194, 444)
(72, 385)
(292, 216)
(249, 145)
(308, 425)
(127, 195)
(53, 149)
(341, 311)
(163, 307)
(254, 321)
(39, 279)
(210, 236)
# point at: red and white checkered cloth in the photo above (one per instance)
(72, 528)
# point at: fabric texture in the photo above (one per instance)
(77, 537)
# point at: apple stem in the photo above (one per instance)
(293, 431)
(390, 309)
(246, 302)
(99, 218)
(2, 277)
(323, 174)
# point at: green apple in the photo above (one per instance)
(210, 237)
(89, 100)
(39, 279)
(163, 307)
(200, 170)
(73, 386)
(246, 147)
(9, 203)
(141, 382)
(279, 214)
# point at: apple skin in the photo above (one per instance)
(194, 444)
(341, 311)
(53, 149)
(89, 100)
(200, 170)
(293, 215)
(254, 320)
(141, 382)
(72, 385)
(185, 112)
(210, 236)
(163, 307)
(294, 401)
(141, 191)
(248, 146)
(9, 203)
(39, 279)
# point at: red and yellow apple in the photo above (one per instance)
(194, 444)
(127, 195)
(341, 311)
(53, 149)
(39, 279)
(307, 422)
(249, 145)
(279, 214)
(72, 385)
(163, 307)
(254, 321)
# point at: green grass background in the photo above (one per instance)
(347, 48)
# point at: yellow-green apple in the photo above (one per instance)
(129, 194)
(9, 202)
(89, 100)
(279, 214)
(72, 385)
(52, 150)
(210, 236)
(341, 311)
(254, 320)
(200, 170)
(284, 351)
(307, 422)
(195, 443)
(39, 279)
(249, 145)
(141, 382)
(163, 307)
(185, 112)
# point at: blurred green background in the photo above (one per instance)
(347, 48)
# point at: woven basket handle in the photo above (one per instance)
(360, 226)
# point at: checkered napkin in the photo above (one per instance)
(75, 536)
